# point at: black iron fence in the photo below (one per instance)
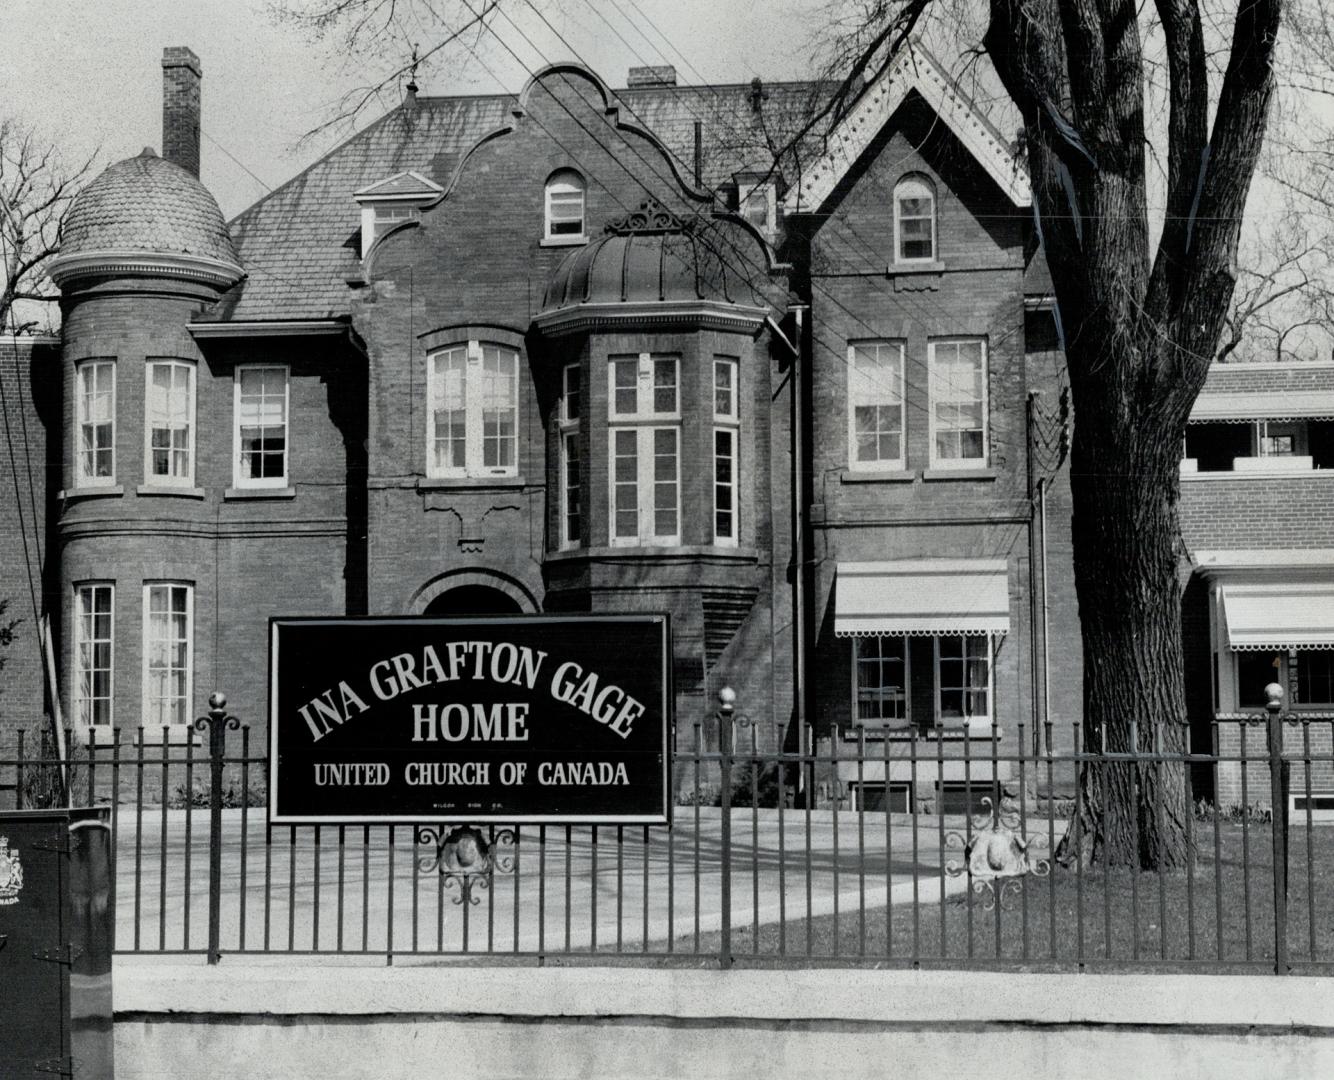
(928, 850)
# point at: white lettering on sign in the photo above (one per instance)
(456, 722)
(582, 773)
(608, 704)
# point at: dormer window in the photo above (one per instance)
(757, 201)
(393, 202)
(914, 221)
(565, 208)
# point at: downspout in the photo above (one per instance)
(1034, 643)
(805, 739)
(1046, 613)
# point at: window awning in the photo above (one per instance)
(1266, 405)
(1279, 615)
(922, 596)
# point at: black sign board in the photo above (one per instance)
(515, 719)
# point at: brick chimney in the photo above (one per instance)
(181, 76)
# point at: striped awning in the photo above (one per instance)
(1279, 615)
(922, 596)
(1269, 405)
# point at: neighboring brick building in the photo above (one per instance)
(1257, 518)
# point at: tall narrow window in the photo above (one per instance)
(261, 426)
(914, 221)
(880, 680)
(963, 680)
(93, 643)
(645, 463)
(565, 206)
(571, 472)
(875, 405)
(958, 388)
(95, 402)
(472, 422)
(169, 430)
(726, 436)
(168, 652)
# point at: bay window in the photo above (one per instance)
(95, 423)
(94, 604)
(168, 652)
(726, 436)
(169, 428)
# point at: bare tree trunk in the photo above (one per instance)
(1126, 555)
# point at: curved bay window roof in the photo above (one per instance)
(652, 269)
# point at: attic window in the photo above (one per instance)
(914, 220)
(564, 208)
(393, 201)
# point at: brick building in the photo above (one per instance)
(580, 350)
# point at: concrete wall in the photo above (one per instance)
(310, 1020)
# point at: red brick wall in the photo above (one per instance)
(27, 402)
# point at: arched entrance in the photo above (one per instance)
(472, 600)
(475, 591)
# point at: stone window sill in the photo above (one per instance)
(933, 267)
(656, 551)
(259, 493)
(562, 241)
(877, 476)
(445, 483)
(167, 489)
(110, 491)
(959, 474)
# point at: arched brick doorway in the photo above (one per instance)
(472, 600)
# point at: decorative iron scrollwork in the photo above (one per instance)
(465, 858)
(651, 217)
(997, 856)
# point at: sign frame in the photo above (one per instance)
(572, 620)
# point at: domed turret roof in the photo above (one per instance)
(650, 260)
(145, 204)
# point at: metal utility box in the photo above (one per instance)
(55, 944)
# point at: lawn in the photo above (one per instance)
(1219, 918)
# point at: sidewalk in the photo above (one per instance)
(304, 891)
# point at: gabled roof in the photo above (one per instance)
(300, 243)
(913, 70)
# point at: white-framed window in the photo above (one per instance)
(169, 422)
(643, 386)
(472, 420)
(914, 220)
(958, 390)
(963, 680)
(168, 652)
(1315, 677)
(260, 437)
(564, 206)
(875, 405)
(571, 461)
(93, 643)
(645, 494)
(880, 681)
(95, 423)
(726, 451)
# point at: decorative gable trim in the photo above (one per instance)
(914, 69)
(409, 186)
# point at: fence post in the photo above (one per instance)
(726, 709)
(217, 722)
(1278, 786)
